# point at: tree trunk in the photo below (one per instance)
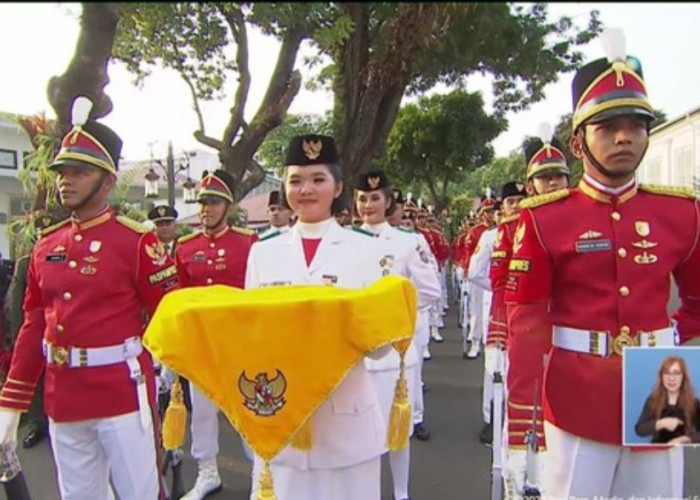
(370, 83)
(87, 71)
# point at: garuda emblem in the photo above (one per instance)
(312, 148)
(157, 253)
(262, 396)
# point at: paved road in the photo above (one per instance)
(453, 465)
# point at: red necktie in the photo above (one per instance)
(310, 247)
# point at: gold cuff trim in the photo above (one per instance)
(19, 382)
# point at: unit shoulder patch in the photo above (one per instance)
(270, 236)
(677, 191)
(543, 199)
(361, 231)
(240, 230)
(54, 227)
(132, 224)
(188, 237)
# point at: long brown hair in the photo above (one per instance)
(686, 392)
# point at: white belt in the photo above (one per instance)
(603, 344)
(128, 352)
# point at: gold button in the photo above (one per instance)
(624, 330)
(78, 237)
(72, 264)
(209, 281)
(616, 216)
(212, 244)
(210, 262)
(624, 291)
(59, 328)
(67, 296)
(622, 252)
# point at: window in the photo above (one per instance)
(20, 206)
(8, 158)
(654, 171)
(684, 167)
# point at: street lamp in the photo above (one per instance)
(188, 191)
(170, 173)
(151, 184)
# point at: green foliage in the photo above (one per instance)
(439, 140)
(191, 38)
(273, 150)
(495, 174)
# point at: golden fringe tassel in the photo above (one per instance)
(175, 418)
(303, 439)
(266, 490)
(401, 414)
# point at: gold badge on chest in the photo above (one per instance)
(518, 238)
(643, 229)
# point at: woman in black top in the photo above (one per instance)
(671, 413)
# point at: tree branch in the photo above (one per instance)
(208, 141)
(235, 20)
(256, 174)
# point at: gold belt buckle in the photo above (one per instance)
(59, 355)
(623, 340)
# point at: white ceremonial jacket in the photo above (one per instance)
(480, 262)
(404, 255)
(348, 428)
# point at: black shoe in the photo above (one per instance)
(486, 436)
(420, 432)
(33, 437)
(464, 355)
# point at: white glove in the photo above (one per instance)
(9, 423)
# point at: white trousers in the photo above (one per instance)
(422, 338)
(86, 452)
(204, 427)
(356, 482)
(476, 317)
(581, 468)
(494, 360)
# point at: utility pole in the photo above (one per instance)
(171, 175)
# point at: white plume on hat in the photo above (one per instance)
(545, 132)
(614, 44)
(81, 110)
(409, 196)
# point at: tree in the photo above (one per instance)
(397, 48)
(439, 140)
(205, 43)
(273, 150)
(495, 174)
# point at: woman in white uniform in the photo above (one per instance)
(403, 256)
(348, 429)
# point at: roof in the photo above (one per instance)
(675, 120)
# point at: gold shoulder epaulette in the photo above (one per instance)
(543, 199)
(510, 218)
(188, 237)
(678, 191)
(132, 224)
(240, 230)
(51, 229)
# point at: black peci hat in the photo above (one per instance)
(372, 181)
(512, 189)
(162, 213)
(312, 149)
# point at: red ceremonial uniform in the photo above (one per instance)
(218, 259)
(90, 284)
(598, 263)
(498, 273)
(471, 242)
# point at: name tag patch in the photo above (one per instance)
(593, 246)
(56, 257)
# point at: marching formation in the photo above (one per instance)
(554, 282)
